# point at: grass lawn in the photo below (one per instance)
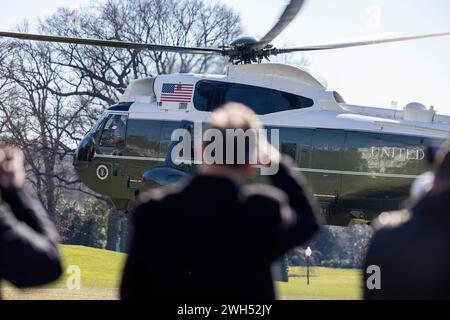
(100, 276)
(101, 272)
(324, 284)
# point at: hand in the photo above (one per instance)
(12, 171)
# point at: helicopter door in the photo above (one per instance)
(187, 165)
(112, 138)
(111, 142)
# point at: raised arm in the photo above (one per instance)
(28, 241)
(300, 212)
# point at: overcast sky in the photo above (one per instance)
(376, 75)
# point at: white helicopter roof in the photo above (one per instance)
(297, 73)
(329, 109)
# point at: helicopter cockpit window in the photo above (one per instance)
(96, 128)
(212, 94)
(114, 131)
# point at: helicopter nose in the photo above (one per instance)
(85, 150)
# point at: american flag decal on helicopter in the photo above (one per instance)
(177, 92)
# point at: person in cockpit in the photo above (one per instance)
(117, 130)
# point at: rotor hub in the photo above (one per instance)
(243, 41)
(245, 50)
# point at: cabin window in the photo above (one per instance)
(327, 147)
(166, 134)
(143, 138)
(289, 149)
(296, 142)
(361, 152)
(211, 94)
(114, 131)
(187, 161)
(98, 125)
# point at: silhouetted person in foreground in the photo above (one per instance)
(28, 241)
(412, 246)
(214, 236)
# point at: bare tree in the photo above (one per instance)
(45, 126)
(50, 94)
(104, 73)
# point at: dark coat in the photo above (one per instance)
(413, 251)
(211, 238)
(28, 241)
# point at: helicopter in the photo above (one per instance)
(359, 160)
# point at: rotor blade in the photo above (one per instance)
(359, 43)
(291, 11)
(109, 43)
